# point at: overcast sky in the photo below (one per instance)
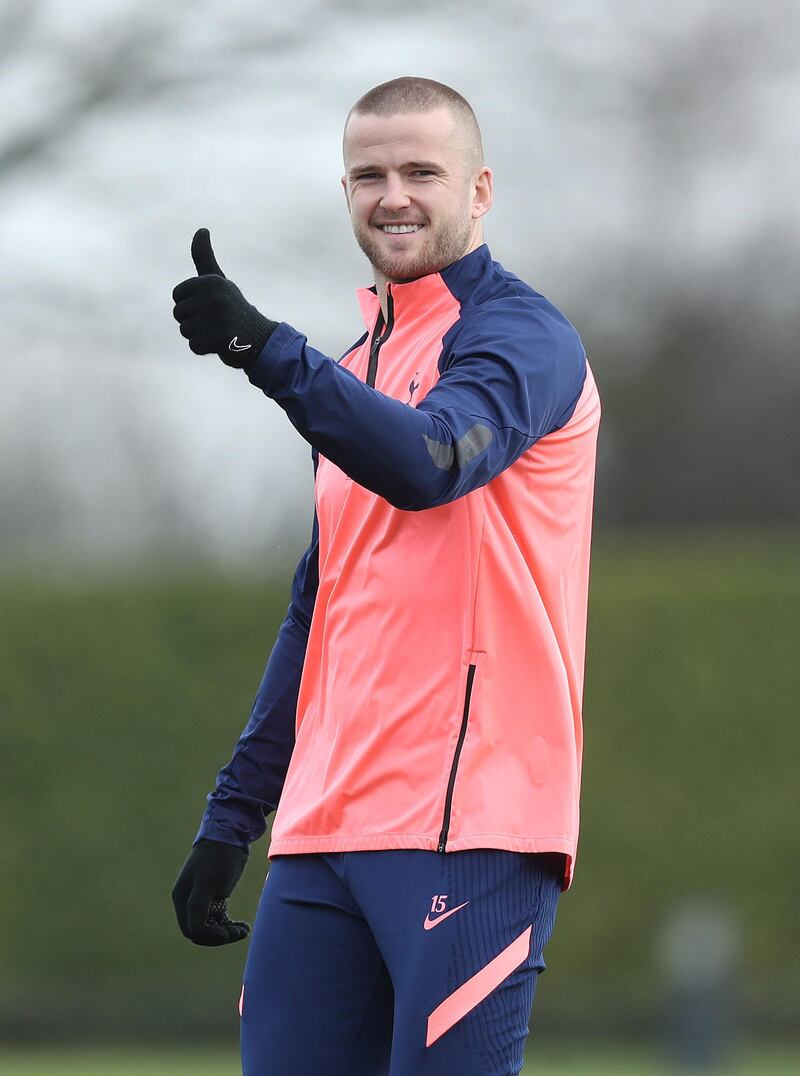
(638, 149)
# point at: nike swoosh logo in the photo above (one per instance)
(429, 923)
(235, 346)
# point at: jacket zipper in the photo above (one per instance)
(382, 330)
(448, 803)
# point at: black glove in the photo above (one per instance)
(213, 314)
(208, 877)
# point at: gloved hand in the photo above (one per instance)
(207, 879)
(213, 314)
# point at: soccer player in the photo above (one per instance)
(418, 725)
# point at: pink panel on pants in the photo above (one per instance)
(480, 986)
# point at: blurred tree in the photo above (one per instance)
(646, 162)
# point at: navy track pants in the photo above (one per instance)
(396, 962)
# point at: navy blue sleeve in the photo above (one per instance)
(249, 787)
(514, 372)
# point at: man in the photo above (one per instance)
(419, 718)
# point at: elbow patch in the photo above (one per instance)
(465, 449)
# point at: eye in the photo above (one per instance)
(368, 175)
(423, 172)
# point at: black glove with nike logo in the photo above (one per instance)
(207, 879)
(213, 314)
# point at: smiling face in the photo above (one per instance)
(414, 199)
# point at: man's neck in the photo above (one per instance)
(380, 288)
(381, 281)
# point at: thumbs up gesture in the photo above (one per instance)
(213, 314)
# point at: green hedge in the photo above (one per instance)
(121, 700)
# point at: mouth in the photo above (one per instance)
(399, 229)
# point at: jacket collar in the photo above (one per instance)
(426, 292)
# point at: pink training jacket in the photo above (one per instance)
(432, 658)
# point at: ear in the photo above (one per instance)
(482, 192)
(346, 192)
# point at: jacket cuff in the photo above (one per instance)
(213, 831)
(273, 366)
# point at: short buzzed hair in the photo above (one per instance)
(415, 94)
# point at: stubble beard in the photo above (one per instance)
(441, 247)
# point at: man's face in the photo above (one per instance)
(411, 169)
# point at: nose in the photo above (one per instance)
(395, 196)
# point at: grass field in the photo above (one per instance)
(598, 1062)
